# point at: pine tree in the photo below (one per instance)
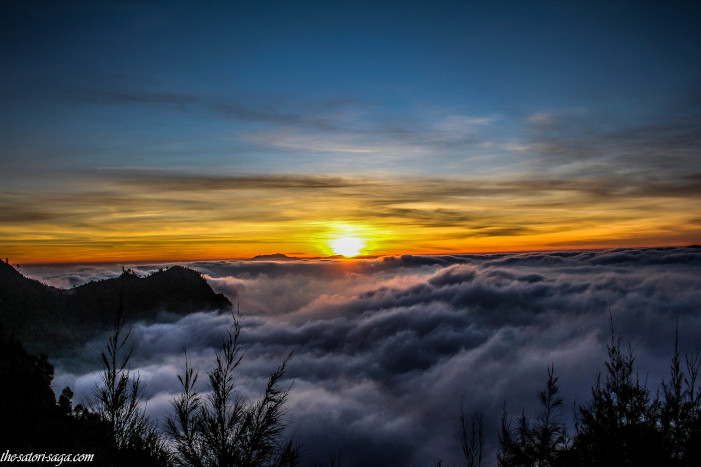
(118, 401)
(680, 411)
(222, 429)
(618, 427)
(538, 442)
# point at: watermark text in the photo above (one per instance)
(56, 459)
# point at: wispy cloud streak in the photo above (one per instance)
(163, 211)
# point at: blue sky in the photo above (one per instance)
(471, 91)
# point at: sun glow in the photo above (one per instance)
(347, 246)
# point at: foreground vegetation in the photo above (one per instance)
(624, 423)
(216, 430)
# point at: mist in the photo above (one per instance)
(386, 349)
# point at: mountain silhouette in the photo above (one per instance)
(274, 257)
(56, 321)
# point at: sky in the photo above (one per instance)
(135, 130)
(387, 349)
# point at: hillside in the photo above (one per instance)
(55, 321)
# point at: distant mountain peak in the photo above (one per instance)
(274, 257)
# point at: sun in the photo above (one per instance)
(347, 246)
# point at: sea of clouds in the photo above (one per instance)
(387, 349)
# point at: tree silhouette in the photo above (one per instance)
(619, 426)
(680, 411)
(118, 401)
(27, 403)
(541, 441)
(222, 429)
(30, 418)
(472, 438)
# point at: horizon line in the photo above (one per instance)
(270, 257)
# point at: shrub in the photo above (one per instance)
(222, 429)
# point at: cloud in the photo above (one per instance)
(319, 126)
(386, 348)
(133, 96)
(184, 102)
(655, 152)
(163, 214)
(381, 143)
(309, 130)
(583, 179)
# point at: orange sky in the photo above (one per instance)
(166, 216)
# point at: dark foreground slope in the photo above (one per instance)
(55, 321)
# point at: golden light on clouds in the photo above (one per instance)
(166, 216)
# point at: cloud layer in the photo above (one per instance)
(386, 349)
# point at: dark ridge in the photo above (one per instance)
(56, 321)
(273, 257)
